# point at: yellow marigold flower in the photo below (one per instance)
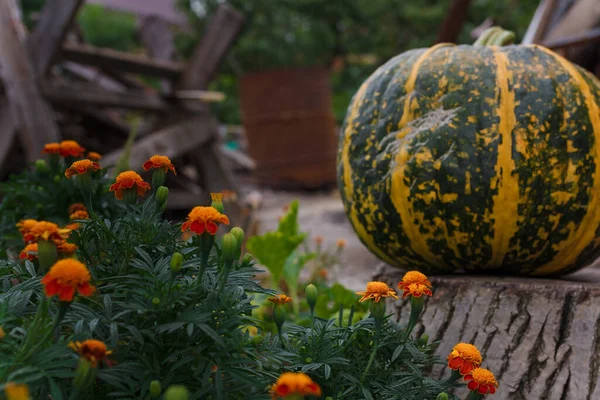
(416, 290)
(202, 219)
(92, 350)
(157, 161)
(66, 249)
(81, 214)
(482, 380)
(377, 290)
(464, 358)
(76, 207)
(65, 277)
(280, 299)
(29, 252)
(25, 225)
(44, 230)
(81, 167)
(70, 148)
(2, 334)
(341, 243)
(92, 155)
(216, 197)
(14, 391)
(294, 383)
(128, 180)
(51, 148)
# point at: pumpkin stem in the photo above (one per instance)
(495, 36)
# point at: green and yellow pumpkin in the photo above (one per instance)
(475, 158)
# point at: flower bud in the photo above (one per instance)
(217, 202)
(230, 247)
(176, 261)
(311, 294)
(85, 374)
(155, 301)
(278, 316)
(247, 259)
(257, 339)
(155, 388)
(442, 396)
(238, 233)
(57, 178)
(41, 166)
(162, 194)
(423, 340)
(177, 392)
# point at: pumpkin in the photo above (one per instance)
(476, 158)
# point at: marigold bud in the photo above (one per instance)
(230, 247)
(238, 233)
(155, 388)
(217, 202)
(176, 262)
(57, 178)
(247, 259)
(177, 392)
(442, 396)
(162, 194)
(311, 294)
(155, 301)
(41, 166)
(278, 316)
(423, 340)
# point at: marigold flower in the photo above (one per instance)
(70, 148)
(319, 240)
(44, 230)
(93, 350)
(81, 214)
(128, 180)
(28, 252)
(377, 290)
(280, 299)
(25, 225)
(51, 148)
(66, 248)
(413, 277)
(416, 290)
(202, 219)
(341, 243)
(81, 167)
(65, 277)
(482, 381)
(157, 161)
(72, 226)
(294, 383)
(76, 207)
(14, 391)
(464, 358)
(92, 155)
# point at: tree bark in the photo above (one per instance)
(540, 337)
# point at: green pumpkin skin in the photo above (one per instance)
(475, 158)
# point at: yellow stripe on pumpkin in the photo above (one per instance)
(570, 248)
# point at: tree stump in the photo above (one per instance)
(540, 337)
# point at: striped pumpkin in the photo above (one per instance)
(475, 158)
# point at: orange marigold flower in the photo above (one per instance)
(25, 225)
(464, 358)
(70, 148)
(16, 392)
(341, 243)
(482, 380)
(65, 277)
(81, 167)
(157, 161)
(28, 252)
(81, 214)
(377, 290)
(128, 180)
(44, 230)
(322, 272)
(294, 383)
(76, 207)
(66, 248)
(51, 148)
(280, 299)
(319, 240)
(92, 155)
(202, 219)
(92, 350)
(416, 290)
(413, 277)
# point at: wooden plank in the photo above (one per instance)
(79, 94)
(121, 61)
(172, 141)
(592, 35)
(31, 114)
(166, 9)
(453, 22)
(159, 41)
(7, 133)
(46, 39)
(221, 33)
(582, 16)
(539, 22)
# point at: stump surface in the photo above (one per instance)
(540, 337)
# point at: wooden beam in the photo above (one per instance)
(79, 94)
(159, 41)
(221, 33)
(121, 61)
(582, 16)
(592, 35)
(30, 113)
(172, 141)
(539, 22)
(46, 39)
(453, 22)
(7, 133)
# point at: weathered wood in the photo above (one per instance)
(590, 36)
(539, 22)
(7, 133)
(121, 61)
(159, 42)
(453, 22)
(78, 94)
(583, 15)
(171, 141)
(220, 35)
(540, 337)
(31, 114)
(46, 39)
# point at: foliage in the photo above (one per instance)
(105, 28)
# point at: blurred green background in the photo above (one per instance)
(351, 37)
